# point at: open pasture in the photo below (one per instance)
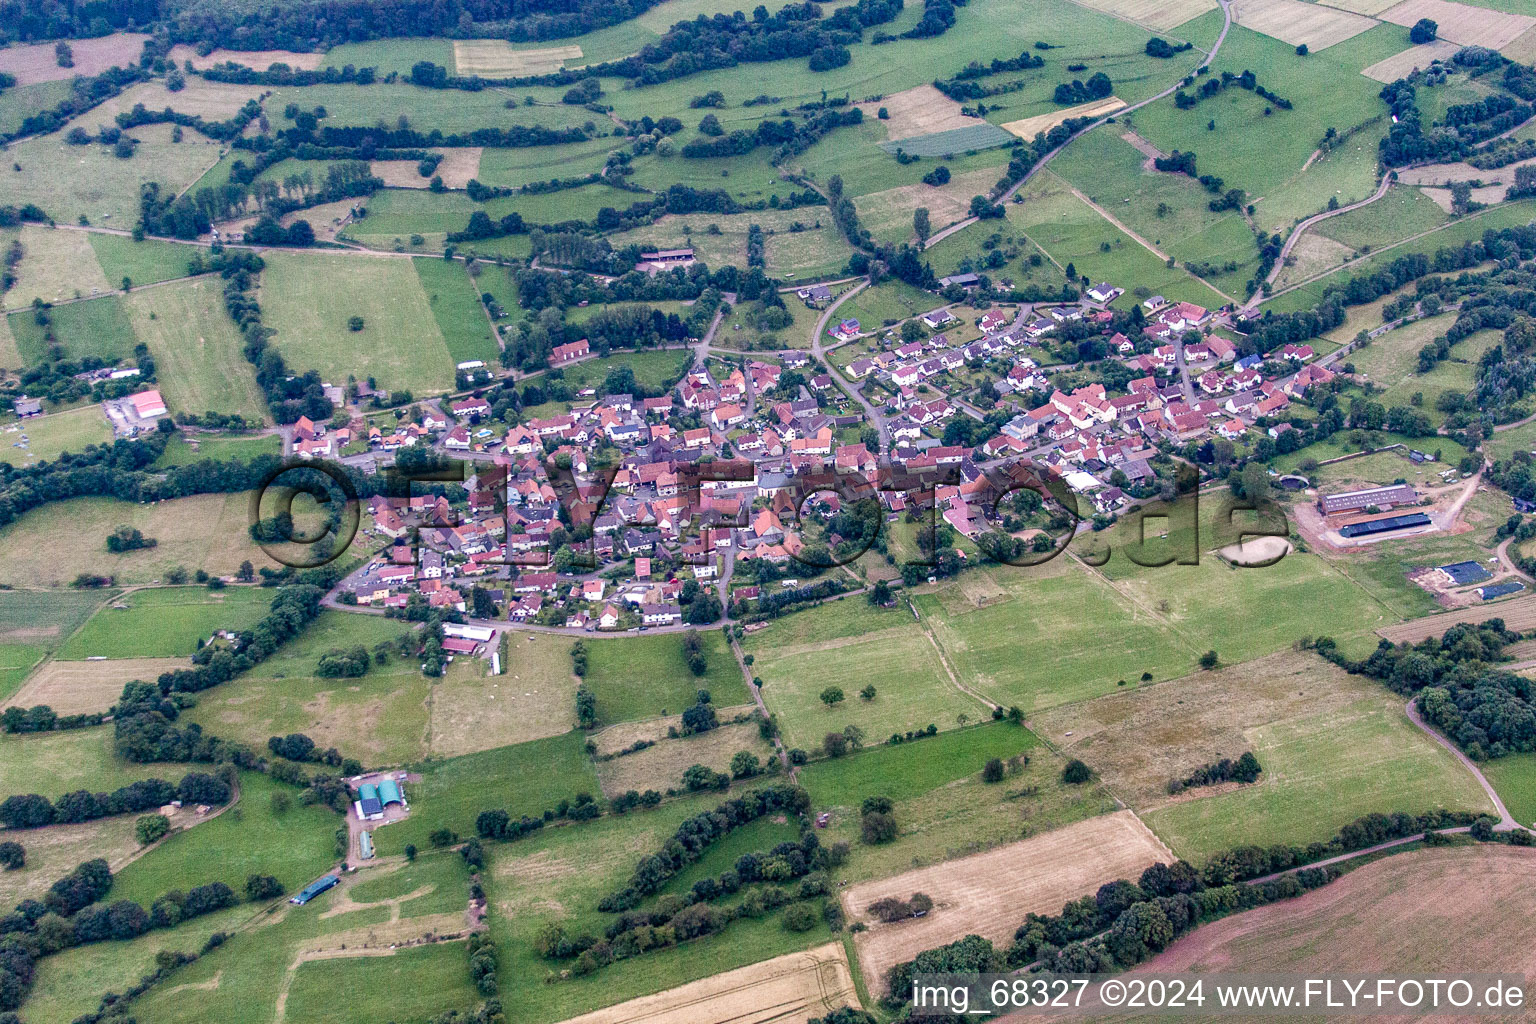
(1292, 21)
(643, 677)
(55, 763)
(989, 893)
(527, 164)
(1087, 633)
(294, 845)
(456, 307)
(1333, 747)
(661, 767)
(1415, 913)
(55, 265)
(1463, 23)
(427, 109)
(381, 718)
(88, 687)
(1158, 14)
(37, 62)
(148, 262)
(309, 299)
(1396, 215)
(888, 213)
(533, 698)
(16, 661)
(45, 617)
(1415, 58)
(199, 352)
(913, 688)
(54, 851)
(559, 874)
(528, 778)
(495, 58)
(213, 101)
(70, 182)
(188, 450)
(1072, 231)
(943, 809)
(205, 531)
(795, 985)
(1028, 127)
(1265, 154)
(50, 435)
(456, 168)
(405, 984)
(165, 622)
(95, 327)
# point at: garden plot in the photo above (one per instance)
(457, 167)
(495, 58)
(988, 894)
(1158, 14)
(1298, 23)
(791, 987)
(1461, 23)
(922, 110)
(1027, 128)
(39, 63)
(1399, 65)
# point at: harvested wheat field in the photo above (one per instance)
(786, 988)
(1523, 49)
(1029, 127)
(495, 58)
(258, 60)
(989, 893)
(456, 168)
(1419, 914)
(1415, 58)
(1518, 615)
(1369, 8)
(1295, 22)
(38, 63)
(1461, 23)
(921, 110)
(86, 687)
(888, 213)
(1314, 254)
(1158, 14)
(215, 101)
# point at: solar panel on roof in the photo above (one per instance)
(1466, 572)
(1500, 589)
(1384, 525)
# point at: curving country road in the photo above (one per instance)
(1506, 820)
(1301, 229)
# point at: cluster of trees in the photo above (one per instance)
(1245, 768)
(586, 707)
(1463, 128)
(1074, 92)
(963, 86)
(1488, 712)
(128, 538)
(701, 716)
(877, 820)
(891, 909)
(298, 747)
(1211, 86)
(1160, 47)
(84, 94)
(695, 835)
(693, 653)
(34, 811)
(338, 663)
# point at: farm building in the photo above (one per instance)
(368, 805)
(365, 845)
(1462, 573)
(314, 889)
(1500, 590)
(390, 793)
(1387, 525)
(1358, 501)
(148, 404)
